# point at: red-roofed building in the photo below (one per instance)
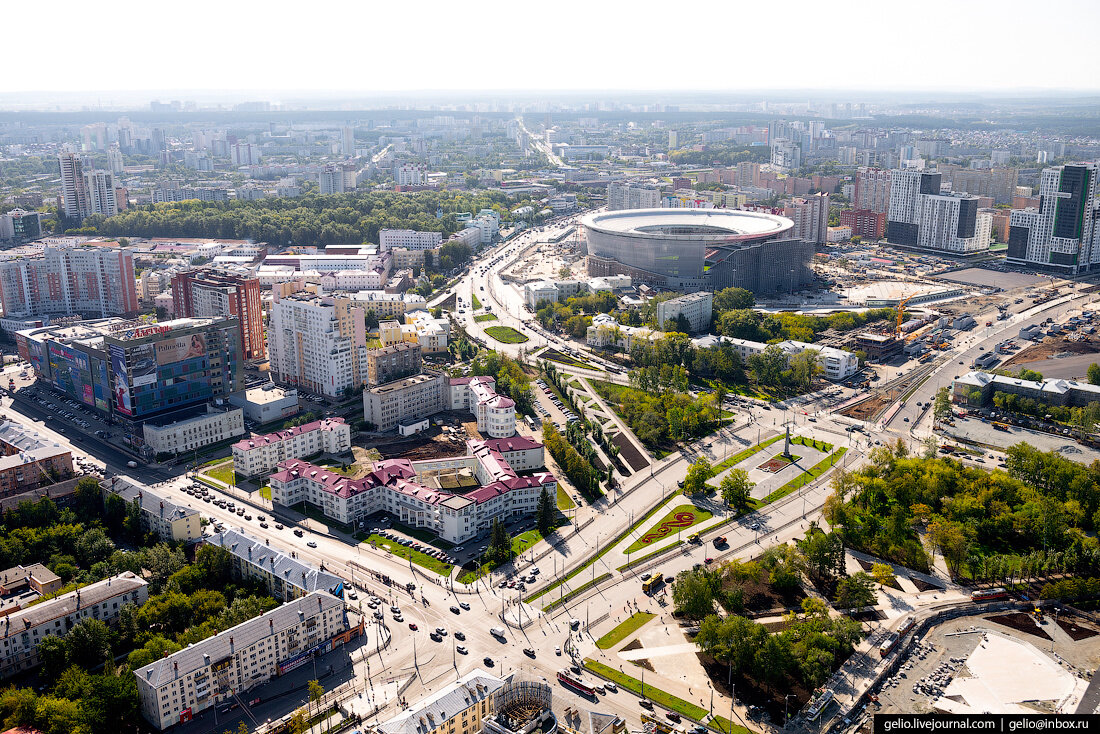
(261, 454)
(409, 491)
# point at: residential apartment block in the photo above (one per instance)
(179, 686)
(628, 195)
(260, 454)
(318, 343)
(392, 362)
(1062, 232)
(24, 630)
(697, 308)
(159, 514)
(920, 216)
(284, 577)
(190, 434)
(462, 707)
(91, 281)
(211, 293)
(29, 460)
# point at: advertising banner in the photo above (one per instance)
(143, 371)
(181, 348)
(122, 387)
(102, 386)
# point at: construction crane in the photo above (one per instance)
(901, 313)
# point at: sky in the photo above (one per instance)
(726, 45)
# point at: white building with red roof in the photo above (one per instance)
(261, 454)
(409, 491)
(496, 414)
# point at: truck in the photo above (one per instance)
(719, 541)
(497, 632)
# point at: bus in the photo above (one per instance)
(989, 594)
(652, 583)
(1001, 426)
(569, 680)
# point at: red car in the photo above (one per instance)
(710, 560)
(412, 626)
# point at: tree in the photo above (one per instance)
(729, 299)
(1094, 374)
(545, 513)
(733, 639)
(693, 592)
(804, 367)
(950, 539)
(824, 555)
(500, 545)
(941, 408)
(54, 654)
(883, 573)
(316, 691)
(298, 723)
(855, 591)
(695, 482)
(89, 643)
(736, 488)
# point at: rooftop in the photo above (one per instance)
(710, 224)
(244, 635)
(151, 502)
(275, 561)
(433, 711)
(325, 424)
(60, 606)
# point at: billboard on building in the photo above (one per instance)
(70, 372)
(122, 387)
(143, 368)
(101, 388)
(181, 348)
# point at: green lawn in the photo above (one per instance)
(265, 492)
(663, 529)
(625, 628)
(481, 318)
(565, 502)
(743, 454)
(506, 335)
(662, 698)
(420, 559)
(802, 479)
(477, 303)
(722, 724)
(223, 473)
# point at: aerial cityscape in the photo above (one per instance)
(671, 402)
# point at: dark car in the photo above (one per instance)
(488, 661)
(455, 610)
(529, 652)
(646, 704)
(460, 635)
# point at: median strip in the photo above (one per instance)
(663, 698)
(625, 628)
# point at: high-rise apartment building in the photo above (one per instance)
(99, 187)
(347, 144)
(244, 154)
(331, 181)
(811, 218)
(1062, 231)
(317, 343)
(93, 281)
(74, 197)
(920, 216)
(903, 212)
(211, 293)
(114, 160)
(628, 195)
(409, 174)
(872, 189)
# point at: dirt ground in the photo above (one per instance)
(1051, 346)
(435, 443)
(868, 408)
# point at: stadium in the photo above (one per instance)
(693, 249)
